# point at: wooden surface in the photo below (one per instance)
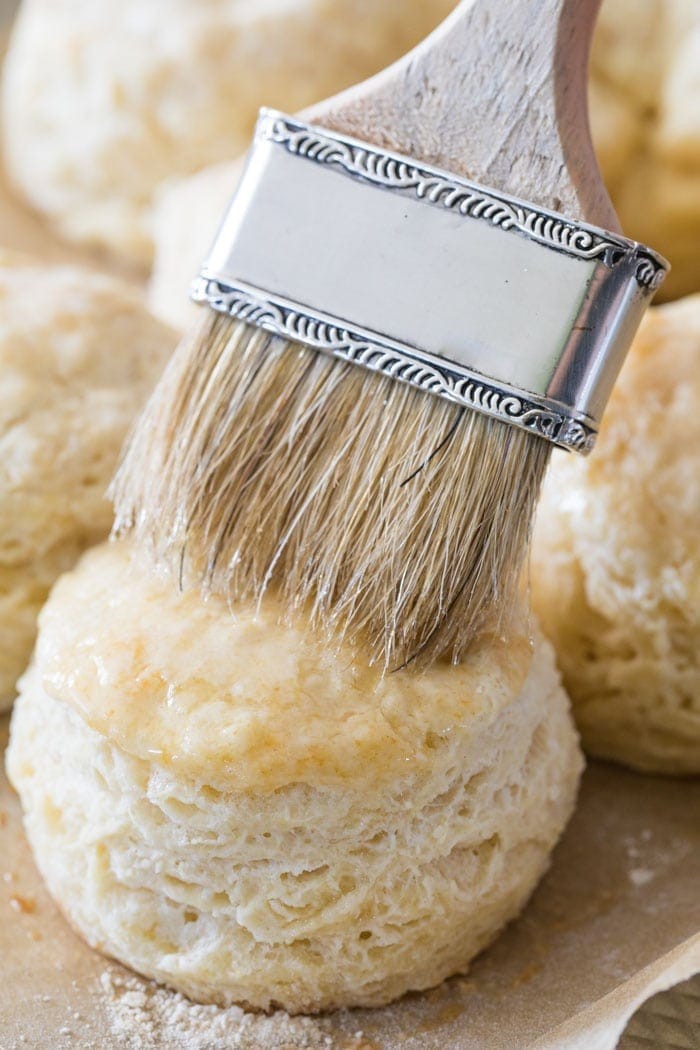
(497, 93)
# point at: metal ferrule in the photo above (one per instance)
(462, 291)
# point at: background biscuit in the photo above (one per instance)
(78, 354)
(101, 104)
(615, 565)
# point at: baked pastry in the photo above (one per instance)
(23, 231)
(101, 104)
(186, 215)
(230, 807)
(616, 562)
(645, 117)
(78, 354)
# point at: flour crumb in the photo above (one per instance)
(641, 876)
(145, 1016)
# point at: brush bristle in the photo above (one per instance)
(386, 512)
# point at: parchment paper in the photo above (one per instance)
(616, 920)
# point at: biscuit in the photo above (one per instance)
(230, 806)
(186, 215)
(615, 563)
(645, 117)
(101, 104)
(78, 354)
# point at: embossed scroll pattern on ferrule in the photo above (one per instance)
(470, 392)
(394, 173)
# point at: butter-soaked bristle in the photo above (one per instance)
(387, 513)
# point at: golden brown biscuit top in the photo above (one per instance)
(238, 700)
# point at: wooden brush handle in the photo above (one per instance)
(497, 93)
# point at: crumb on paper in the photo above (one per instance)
(23, 905)
(527, 974)
(144, 1015)
(641, 876)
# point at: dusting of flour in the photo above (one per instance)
(145, 1016)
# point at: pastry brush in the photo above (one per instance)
(418, 290)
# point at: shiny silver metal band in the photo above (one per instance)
(462, 291)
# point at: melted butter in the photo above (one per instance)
(241, 701)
